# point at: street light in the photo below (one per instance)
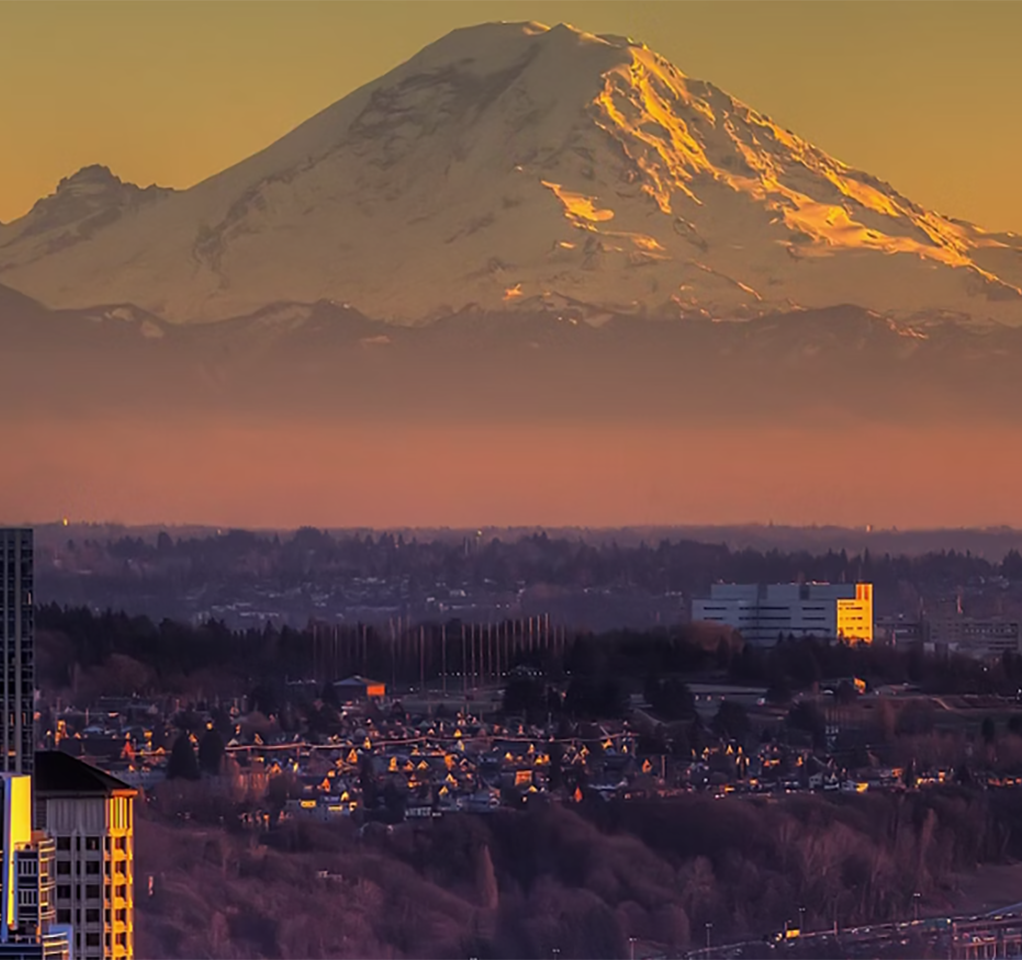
(801, 919)
(916, 897)
(709, 927)
(631, 948)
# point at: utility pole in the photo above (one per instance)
(472, 652)
(443, 657)
(422, 660)
(393, 658)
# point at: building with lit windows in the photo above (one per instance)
(766, 613)
(28, 922)
(17, 650)
(90, 816)
(67, 884)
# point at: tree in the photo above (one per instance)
(211, 752)
(731, 721)
(1011, 566)
(523, 696)
(778, 692)
(595, 699)
(988, 731)
(808, 717)
(182, 763)
(671, 699)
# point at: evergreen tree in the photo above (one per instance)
(183, 763)
(211, 752)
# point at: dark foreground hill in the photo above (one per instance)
(576, 882)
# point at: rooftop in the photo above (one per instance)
(58, 773)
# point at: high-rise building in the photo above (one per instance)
(17, 652)
(28, 924)
(91, 817)
(67, 887)
(765, 613)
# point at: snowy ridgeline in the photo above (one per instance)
(516, 167)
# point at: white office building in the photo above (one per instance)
(765, 613)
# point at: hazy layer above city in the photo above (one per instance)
(282, 474)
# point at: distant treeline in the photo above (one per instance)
(312, 555)
(112, 652)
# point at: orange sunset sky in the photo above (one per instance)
(920, 94)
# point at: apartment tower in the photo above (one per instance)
(17, 634)
(91, 818)
(28, 923)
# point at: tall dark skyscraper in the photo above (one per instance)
(17, 634)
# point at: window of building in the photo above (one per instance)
(92, 866)
(92, 939)
(122, 939)
(63, 843)
(92, 843)
(92, 915)
(122, 890)
(63, 916)
(64, 892)
(121, 915)
(64, 868)
(27, 898)
(92, 891)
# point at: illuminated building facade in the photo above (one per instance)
(28, 923)
(90, 816)
(764, 613)
(17, 650)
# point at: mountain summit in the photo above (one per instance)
(511, 166)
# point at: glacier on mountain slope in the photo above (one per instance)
(524, 167)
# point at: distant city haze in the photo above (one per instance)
(285, 475)
(911, 92)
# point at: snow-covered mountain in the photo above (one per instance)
(518, 167)
(81, 206)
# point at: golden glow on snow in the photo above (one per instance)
(578, 208)
(683, 137)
